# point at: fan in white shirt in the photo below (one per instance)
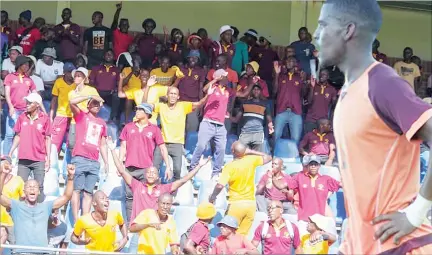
(8, 65)
(49, 69)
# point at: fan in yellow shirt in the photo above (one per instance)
(13, 189)
(322, 234)
(97, 230)
(240, 177)
(157, 229)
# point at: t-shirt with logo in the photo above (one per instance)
(318, 143)
(103, 238)
(407, 71)
(98, 39)
(20, 87)
(32, 132)
(28, 40)
(140, 144)
(49, 72)
(89, 132)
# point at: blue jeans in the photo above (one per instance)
(424, 163)
(295, 125)
(9, 132)
(208, 131)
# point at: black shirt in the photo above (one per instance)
(40, 45)
(98, 41)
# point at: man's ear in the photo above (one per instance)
(350, 31)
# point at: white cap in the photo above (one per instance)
(17, 48)
(82, 70)
(325, 223)
(225, 28)
(33, 59)
(34, 98)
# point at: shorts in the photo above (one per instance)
(86, 173)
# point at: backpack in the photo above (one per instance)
(266, 227)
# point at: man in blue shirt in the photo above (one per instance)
(304, 50)
(30, 217)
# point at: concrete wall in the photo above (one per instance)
(278, 19)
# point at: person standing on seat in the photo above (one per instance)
(173, 121)
(240, 177)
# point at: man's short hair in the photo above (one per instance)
(98, 13)
(365, 13)
(5, 13)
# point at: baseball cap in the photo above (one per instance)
(34, 98)
(68, 67)
(311, 158)
(229, 221)
(148, 108)
(225, 28)
(17, 48)
(82, 70)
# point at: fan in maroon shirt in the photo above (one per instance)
(321, 98)
(265, 56)
(147, 41)
(174, 45)
(68, 35)
(381, 57)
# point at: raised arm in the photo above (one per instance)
(61, 201)
(116, 16)
(119, 165)
(266, 158)
(203, 100)
(6, 169)
(75, 101)
(177, 184)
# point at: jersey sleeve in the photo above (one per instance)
(396, 103)
(258, 232)
(79, 227)
(296, 238)
(56, 89)
(333, 185)
(158, 137)
(119, 219)
(196, 234)
(304, 141)
(187, 107)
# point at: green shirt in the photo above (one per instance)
(241, 57)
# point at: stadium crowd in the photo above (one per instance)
(247, 127)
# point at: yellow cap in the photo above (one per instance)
(254, 65)
(206, 211)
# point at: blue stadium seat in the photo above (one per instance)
(206, 190)
(113, 132)
(285, 148)
(231, 138)
(343, 230)
(185, 196)
(292, 167)
(47, 105)
(112, 187)
(204, 174)
(266, 147)
(51, 183)
(104, 112)
(340, 212)
(261, 171)
(330, 171)
(54, 158)
(66, 160)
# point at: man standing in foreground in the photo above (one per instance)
(378, 146)
(30, 217)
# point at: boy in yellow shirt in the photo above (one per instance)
(97, 230)
(60, 105)
(322, 234)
